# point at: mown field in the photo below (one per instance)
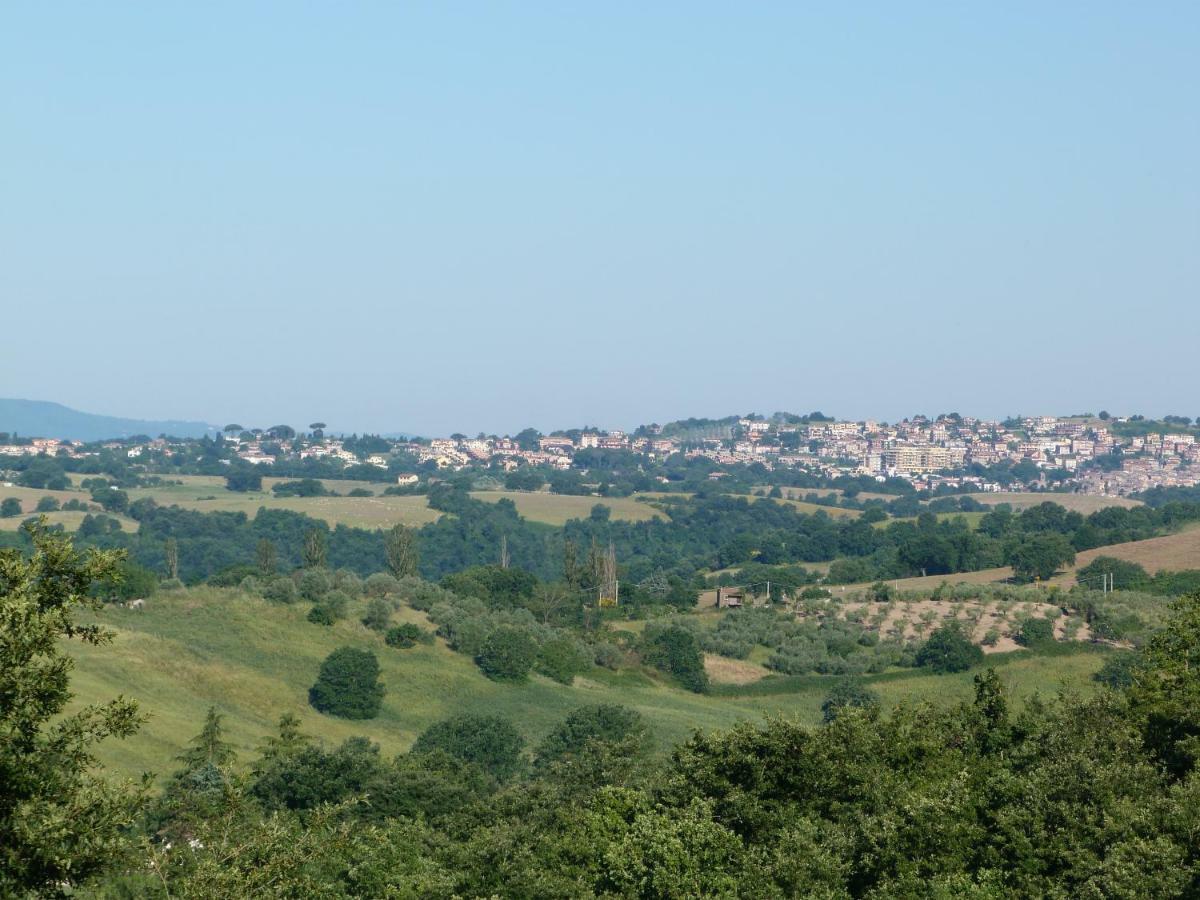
(558, 509)
(207, 493)
(254, 661)
(1081, 503)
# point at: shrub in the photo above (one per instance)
(848, 692)
(949, 650)
(608, 723)
(348, 685)
(244, 480)
(607, 655)
(508, 654)
(380, 584)
(281, 590)
(170, 584)
(423, 595)
(321, 615)
(1035, 633)
(348, 581)
(231, 576)
(314, 584)
(378, 616)
(305, 487)
(1117, 671)
(676, 650)
(561, 659)
(490, 742)
(10, 507)
(47, 504)
(336, 602)
(406, 635)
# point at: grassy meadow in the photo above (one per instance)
(254, 661)
(1080, 503)
(558, 509)
(207, 493)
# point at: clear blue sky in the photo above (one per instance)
(484, 216)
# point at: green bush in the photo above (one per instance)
(321, 615)
(348, 685)
(1118, 670)
(608, 723)
(676, 650)
(348, 581)
(281, 590)
(561, 659)
(848, 692)
(490, 742)
(314, 584)
(47, 504)
(508, 654)
(406, 635)
(380, 585)
(337, 602)
(1035, 633)
(949, 650)
(378, 616)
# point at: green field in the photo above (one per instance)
(1081, 503)
(254, 662)
(207, 493)
(558, 509)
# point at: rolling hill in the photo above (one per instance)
(254, 661)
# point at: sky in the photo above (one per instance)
(484, 216)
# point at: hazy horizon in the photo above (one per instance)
(482, 218)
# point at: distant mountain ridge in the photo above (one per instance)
(40, 418)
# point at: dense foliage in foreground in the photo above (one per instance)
(1065, 797)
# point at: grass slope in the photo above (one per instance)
(254, 662)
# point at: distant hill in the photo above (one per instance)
(38, 418)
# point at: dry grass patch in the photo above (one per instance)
(732, 671)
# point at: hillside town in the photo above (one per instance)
(1104, 455)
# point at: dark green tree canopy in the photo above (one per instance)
(949, 649)
(348, 685)
(490, 742)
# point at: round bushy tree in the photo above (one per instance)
(280, 590)
(321, 615)
(490, 742)
(561, 659)
(380, 584)
(606, 723)
(508, 654)
(676, 650)
(405, 636)
(1036, 633)
(378, 616)
(949, 650)
(314, 584)
(348, 685)
(848, 692)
